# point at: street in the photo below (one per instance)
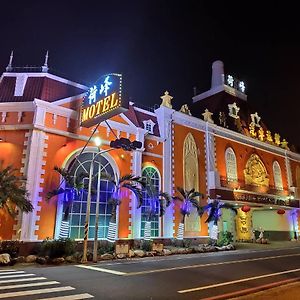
(193, 276)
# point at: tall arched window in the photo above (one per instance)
(277, 176)
(154, 177)
(77, 214)
(231, 168)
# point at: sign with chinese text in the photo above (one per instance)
(103, 101)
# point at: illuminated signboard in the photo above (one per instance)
(103, 101)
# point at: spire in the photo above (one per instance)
(9, 66)
(45, 66)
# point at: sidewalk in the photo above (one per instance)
(272, 245)
(287, 291)
(283, 292)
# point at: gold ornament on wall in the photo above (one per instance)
(284, 144)
(252, 130)
(255, 172)
(243, 225)
(269, 136)
(277, 139)
(261, 134)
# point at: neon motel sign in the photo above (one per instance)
(103, 101)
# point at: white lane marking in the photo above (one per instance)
(11, 273)
(70, 297)
(36, 292)
(236, 281)
(209, 264)
(7, 270)
(22, 279)
(18, 275)
(25, 285)
(101, 270)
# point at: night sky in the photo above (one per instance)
(166, 45)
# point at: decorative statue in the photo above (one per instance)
(185, 109)
(207, 116)
(222, 118)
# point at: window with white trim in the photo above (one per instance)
(277, 175)
(79, 206)
(231, 167)
(153, 176)
(148, 125)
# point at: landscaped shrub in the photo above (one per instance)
(10, 247)
(106, 248)
(57, 248)
(146, 245)
(187, 243)
(225, 238)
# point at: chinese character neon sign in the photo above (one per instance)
(103, 101)
(236, 84)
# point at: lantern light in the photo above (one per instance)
(246, 208)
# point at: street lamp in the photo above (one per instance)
(95, 250)
(97, 141)
(126, 145)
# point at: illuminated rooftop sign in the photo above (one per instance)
(103, 101)
(236, 84)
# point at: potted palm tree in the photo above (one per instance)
(73, 189)
(157, 200)
(126, 182)
(13, 192)
(188, 201)
(214, 210)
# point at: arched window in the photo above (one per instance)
(277, 176)
(153, 176)
(231, 168)
(76, 220)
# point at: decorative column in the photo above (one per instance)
(212, 176)
(33, 170)
(288, 172)
(164, 118)
(136, 169)
(36, 145)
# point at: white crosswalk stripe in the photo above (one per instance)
(11, 272)
(30, 285)
(70, 297)
(22, 279)
(24, 285)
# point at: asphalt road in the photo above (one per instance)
(193, 276)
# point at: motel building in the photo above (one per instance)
(217, 144)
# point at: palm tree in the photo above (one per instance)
(129, 182)
(13, 192)
(157, 199)
(214, 210)
(72, 191)
(188, 199)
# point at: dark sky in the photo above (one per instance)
(160, 45)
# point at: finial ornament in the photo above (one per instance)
(9, 66)
(166, 100)
(45, 66)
